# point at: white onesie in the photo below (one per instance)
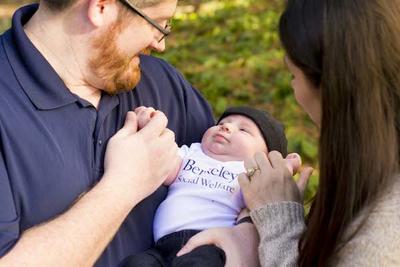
(205, 194)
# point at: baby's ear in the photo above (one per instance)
(293, 162)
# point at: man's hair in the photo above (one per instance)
(350, 50)
(60, 5)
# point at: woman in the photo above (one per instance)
(344, 56)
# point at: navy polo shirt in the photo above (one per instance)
(52, 142)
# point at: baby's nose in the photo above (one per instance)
(226, 127)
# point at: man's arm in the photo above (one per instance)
(78, 237)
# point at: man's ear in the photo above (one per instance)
(101, 12)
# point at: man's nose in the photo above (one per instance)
(158, 46)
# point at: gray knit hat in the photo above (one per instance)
(271, 129)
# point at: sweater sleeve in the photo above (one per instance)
(280, 226)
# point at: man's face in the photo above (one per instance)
(115, 60)
(236, 137)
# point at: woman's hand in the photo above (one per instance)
(272, 180)
(240, 244)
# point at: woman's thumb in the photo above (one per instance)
(293, 162)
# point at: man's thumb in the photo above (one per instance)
(131, 123)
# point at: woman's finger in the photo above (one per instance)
(276, 159)
(293, 162)
(304, 177)
(250, 163)
(251, 168)
(262, 162)
(244, 181)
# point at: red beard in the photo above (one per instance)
(118, 72)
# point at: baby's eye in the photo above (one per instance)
(244, 130)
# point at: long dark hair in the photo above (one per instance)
(350, 49)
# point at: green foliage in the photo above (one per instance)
(5, 23)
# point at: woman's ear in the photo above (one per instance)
(101, 12)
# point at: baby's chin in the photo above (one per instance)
(219, 154)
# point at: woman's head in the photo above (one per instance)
(349, 50)
(302, 41)
(302, 38)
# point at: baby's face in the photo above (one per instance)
(236, 137)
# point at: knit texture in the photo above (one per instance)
(377, 243)
(280, 226)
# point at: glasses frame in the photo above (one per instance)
(164, 30)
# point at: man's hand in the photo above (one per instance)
(138, 161)
(240, 244)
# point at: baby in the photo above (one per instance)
(203, 189)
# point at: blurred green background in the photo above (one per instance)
(230, 51)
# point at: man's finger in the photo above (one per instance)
(167, 135)
(156, 126)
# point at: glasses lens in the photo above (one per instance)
(167, 28)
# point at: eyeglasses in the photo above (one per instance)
(164, 30)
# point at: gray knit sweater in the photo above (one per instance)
(280, 226)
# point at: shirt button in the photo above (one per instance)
(100, 142)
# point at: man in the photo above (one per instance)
(67, 72)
